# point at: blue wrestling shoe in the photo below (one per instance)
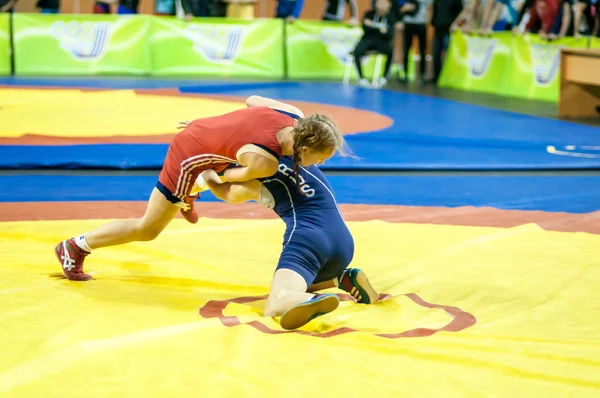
(355, 282)
(300, 314)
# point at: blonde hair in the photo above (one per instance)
(319, 133)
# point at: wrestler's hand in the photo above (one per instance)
(183, 124)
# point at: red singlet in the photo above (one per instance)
(214, 142)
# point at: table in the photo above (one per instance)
(579, 83)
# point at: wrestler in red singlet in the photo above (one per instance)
(252, 137)
(216, 142)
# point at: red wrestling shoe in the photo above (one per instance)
(188, 211)
(71, 257)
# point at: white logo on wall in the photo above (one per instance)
(216, 42)
(479, 54)
(546, 62)
(82, 40)
(340, 41)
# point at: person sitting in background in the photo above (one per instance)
(400, 8)
(289, 9)
(543, 12)
(563, 23)
(378, 27)
(335, 10)
(444, 13)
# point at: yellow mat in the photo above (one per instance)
(135, 331)
(74, 113)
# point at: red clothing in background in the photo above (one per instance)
(544, 11)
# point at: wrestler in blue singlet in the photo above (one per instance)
(317, 243)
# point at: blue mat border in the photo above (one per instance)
(413, 157)
(574, 194)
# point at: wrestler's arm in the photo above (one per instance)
(253, 166)
(256, 100)
(237, 192)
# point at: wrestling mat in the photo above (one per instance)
(100, 127)
(466, 312)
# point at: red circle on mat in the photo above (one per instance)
(460, 319)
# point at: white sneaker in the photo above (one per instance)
(382, 81)
(363, 83)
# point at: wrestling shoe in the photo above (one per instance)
(188, 211)
(355, 282)
(71, 258)
(300, 314)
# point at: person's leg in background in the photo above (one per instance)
(221, 9)
(361, 49)
(440, 46)
(409, 32)
(437, 54)
(421, 32)
(386, 48)
(398, 51)
(398, 40)
(445, 44)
